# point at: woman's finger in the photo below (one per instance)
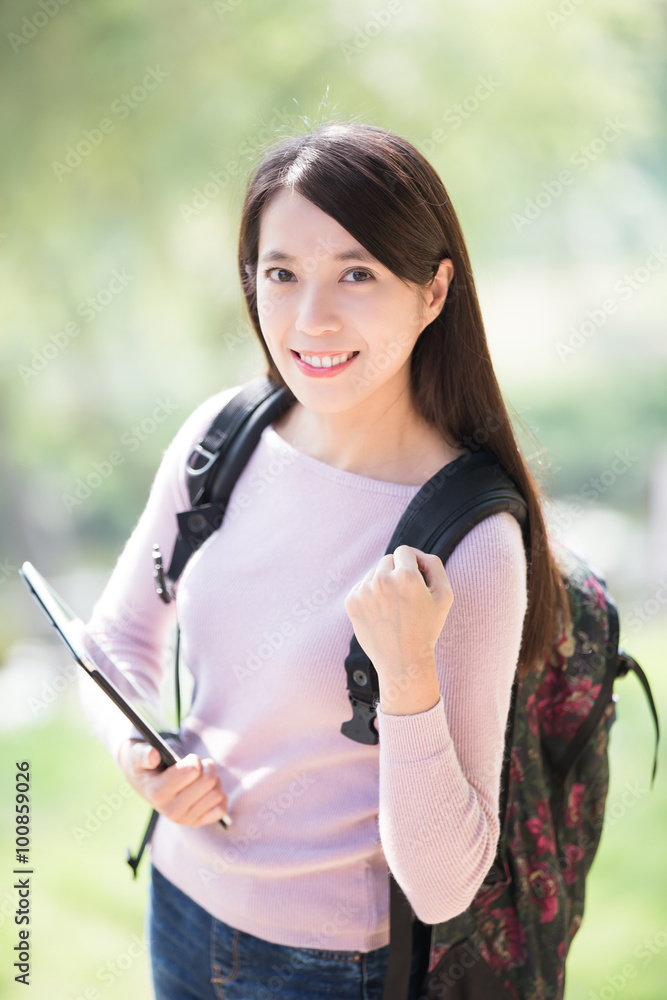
(185, 804)
(164, 785)
(429, 565)
(408, 557)
(385, 563)
(215, 799)
(144, 757)
(405, 557)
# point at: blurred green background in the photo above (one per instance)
(122, 124)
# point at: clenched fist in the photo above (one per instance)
(398, 611)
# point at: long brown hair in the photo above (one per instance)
(381, 189)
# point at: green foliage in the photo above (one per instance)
(191, 96)
(583, 421)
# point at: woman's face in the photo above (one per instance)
(322, 296)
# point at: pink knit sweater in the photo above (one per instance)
(318, 818)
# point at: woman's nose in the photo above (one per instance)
(316, 313)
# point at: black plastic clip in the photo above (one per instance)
(361, 726)
(163, 588)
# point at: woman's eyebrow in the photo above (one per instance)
(356, 253)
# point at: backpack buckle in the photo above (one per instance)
(360, 727)
(210, 455)
(162, 586)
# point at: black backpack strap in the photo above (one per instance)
(459, 496)
(618, 665)
(446, 508)
(133, 861)
(625, 664)
(566, 762)
(213, 467)
(397, 977)
(218, 459)
(248, 403)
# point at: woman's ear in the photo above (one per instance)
(436, 293)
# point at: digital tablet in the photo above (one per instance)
(134, 703)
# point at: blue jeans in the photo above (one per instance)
(194, 956)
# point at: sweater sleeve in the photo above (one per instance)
(440, 769)
(129, 623)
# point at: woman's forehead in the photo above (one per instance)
(291, 225)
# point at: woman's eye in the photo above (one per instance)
(280, 270)
(358, 270)
(283, 276)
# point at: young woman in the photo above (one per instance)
(359, 288)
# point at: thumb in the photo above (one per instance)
(145, 756)
(433, 572)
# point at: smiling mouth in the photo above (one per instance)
(325, 360)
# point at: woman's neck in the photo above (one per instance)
(396, 447)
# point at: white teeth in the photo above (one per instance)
(326, 361)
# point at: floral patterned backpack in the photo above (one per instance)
(513, 940)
